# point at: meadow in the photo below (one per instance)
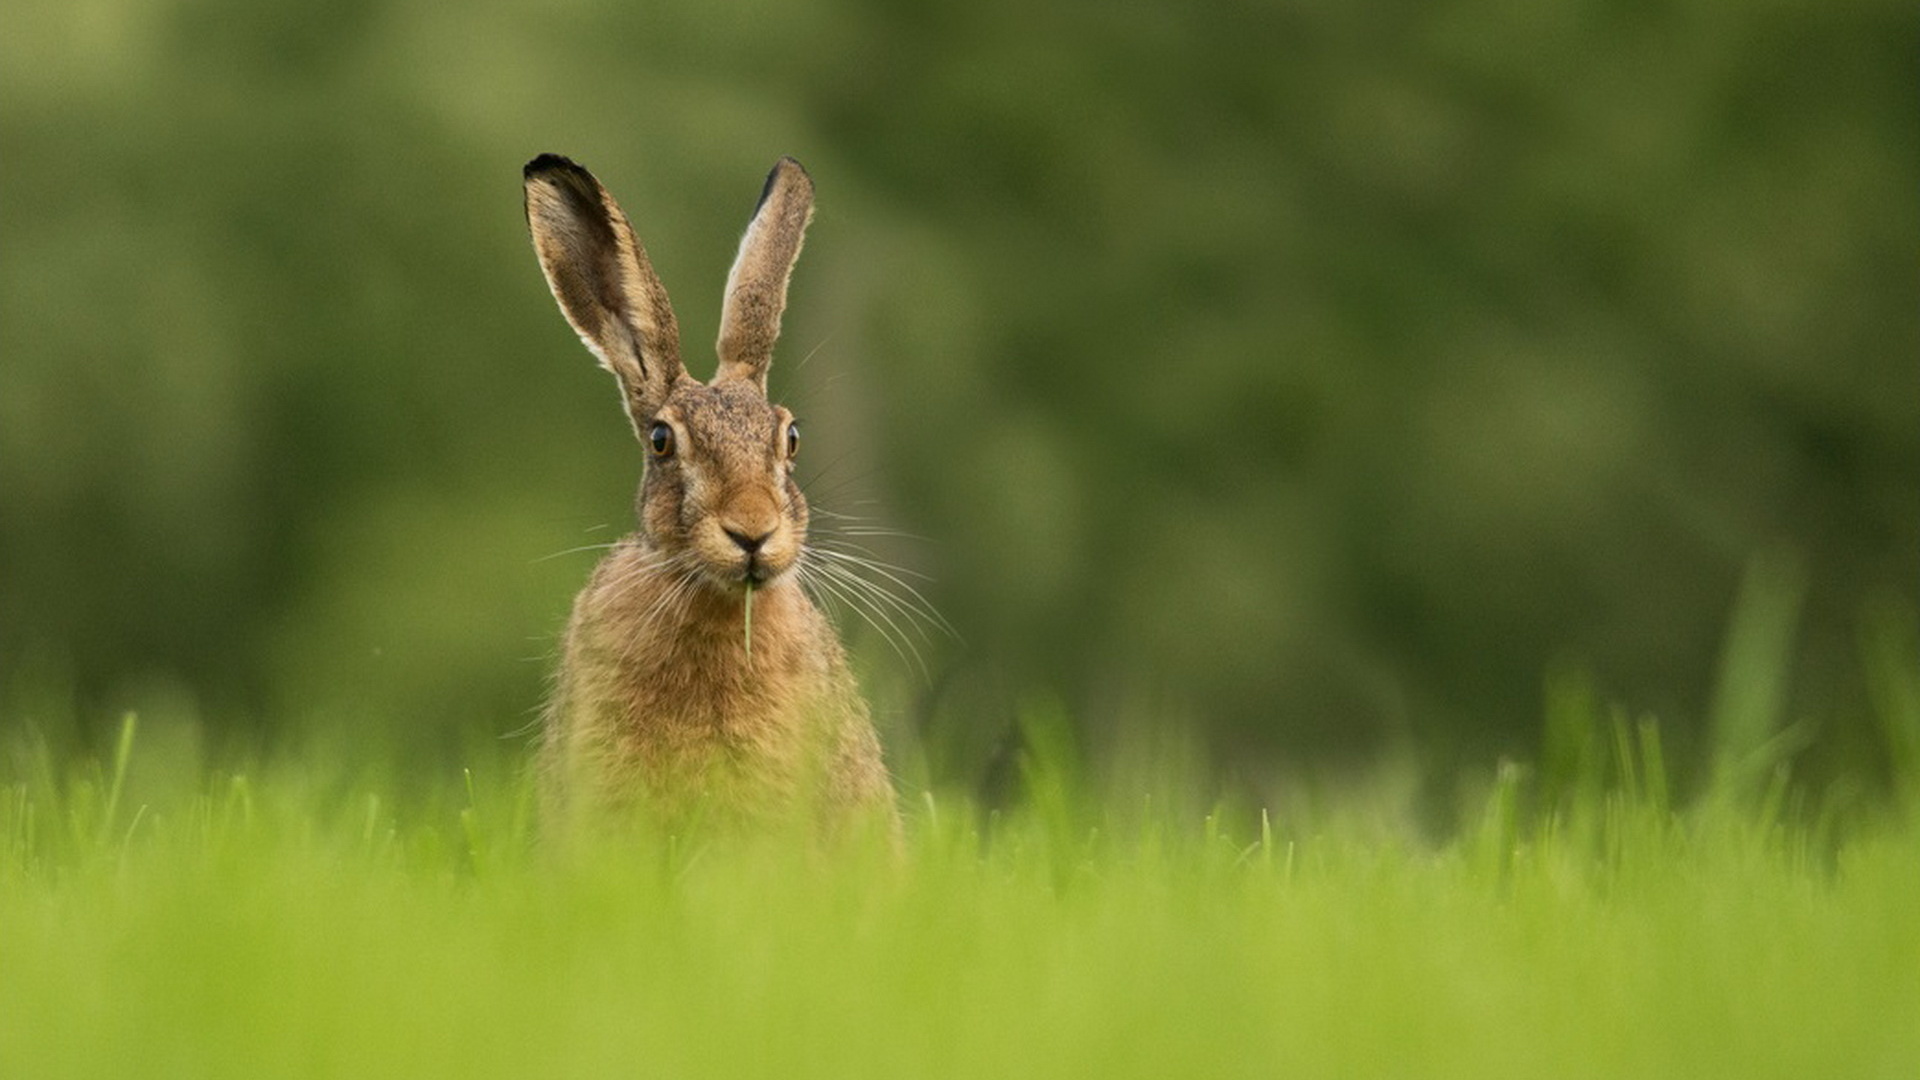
(1270, 393)
(297, 921)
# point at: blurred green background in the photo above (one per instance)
(1304, 380)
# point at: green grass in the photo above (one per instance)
(285, 925)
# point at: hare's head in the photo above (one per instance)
(719, 496)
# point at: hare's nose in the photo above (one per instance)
(749, 542)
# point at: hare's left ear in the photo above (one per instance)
(757, 286)
(599, 273)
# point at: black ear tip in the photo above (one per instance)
(787, 163)
(546, 163)
(562, 175)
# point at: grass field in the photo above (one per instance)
(278, 925)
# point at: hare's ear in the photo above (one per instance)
(600, 275)
(757, 286)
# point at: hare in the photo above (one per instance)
(696, 676)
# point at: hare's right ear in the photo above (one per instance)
(600, 275)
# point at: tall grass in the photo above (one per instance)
(256, 930)
(1586, 921)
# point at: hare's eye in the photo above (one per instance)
(793, 438)
(660, 439)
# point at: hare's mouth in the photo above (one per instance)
(752, 572)
(735, 560)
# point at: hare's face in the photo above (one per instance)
(719, 491)
(719, 497)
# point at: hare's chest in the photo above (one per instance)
(702, 699)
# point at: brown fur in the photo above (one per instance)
(757, 287)
(658, 705)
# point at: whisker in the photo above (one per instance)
(848, 600)
(812, 352)
(806, 394)
(817, 476)
(672, 600)
(824, 512)
(634, 571)
(882, 599)
(865, 556)
(838, 525)
(888, 571)
(577, 550)
(841, 514)
(875, 530)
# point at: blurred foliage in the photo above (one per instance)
(1317, 374)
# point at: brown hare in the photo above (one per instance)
(696, 677)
